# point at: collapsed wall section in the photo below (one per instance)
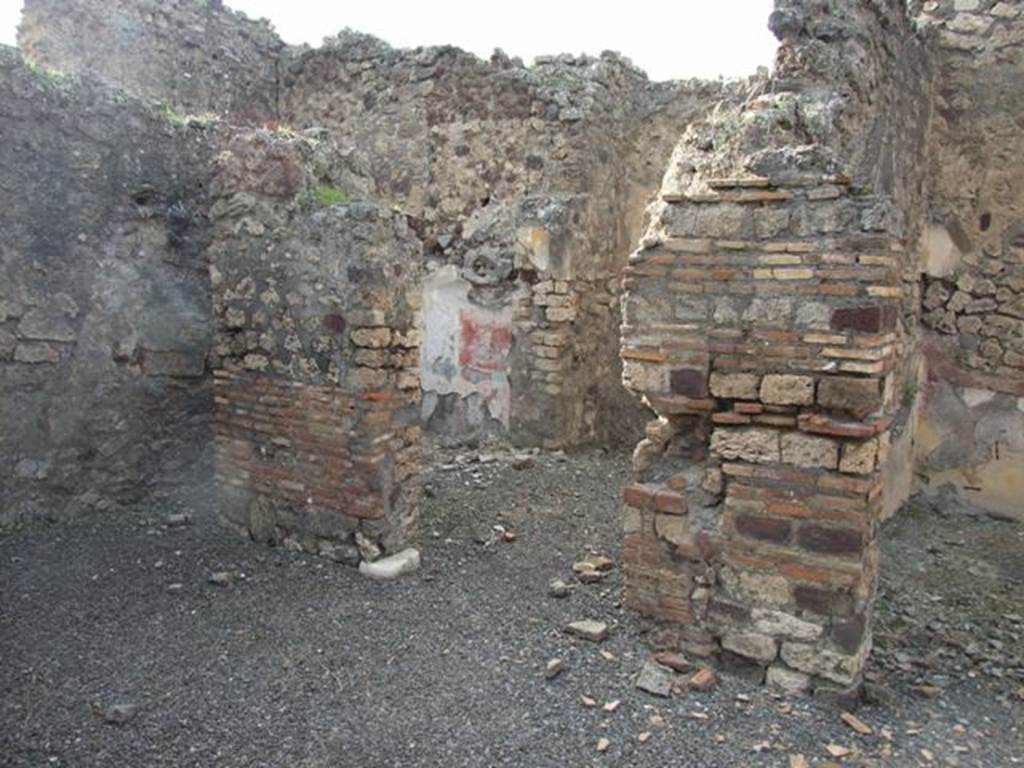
(770, 320)
(316, 353)
(196, 56)
(104, 297)
(973, 304)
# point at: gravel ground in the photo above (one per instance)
(301, 662)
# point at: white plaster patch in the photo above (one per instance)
(465, 347)
(939, 254)
(973, 397)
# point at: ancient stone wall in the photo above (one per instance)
(486, 154)
(104, 296)
(196, 56)
(973, 424)
(530, 183)
(316, 352)
(770, 320)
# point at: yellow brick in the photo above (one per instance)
(885, 291)
(824, 338)
(793, 274)
(781, 259)
(877, 261)
(868, 368)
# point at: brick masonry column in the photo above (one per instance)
(751, 527)
(316, 357)
(770, 319)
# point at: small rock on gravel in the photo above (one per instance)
(553, 668)
(672, 660)
(595, 631)
(603, 744)
(655, 679)
(703, 680)
(559, 588)
(392, 566)
(220, 579)
(856, 723)
(178, 520)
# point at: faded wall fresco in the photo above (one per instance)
(466, 356)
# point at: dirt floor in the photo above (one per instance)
(301, 662)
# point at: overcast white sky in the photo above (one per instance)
(684, 38)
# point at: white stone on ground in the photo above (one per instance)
(392, 566)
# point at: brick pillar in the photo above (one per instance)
(766, 336)
(316, 358)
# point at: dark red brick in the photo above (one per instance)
(689, 382)
(671, 502)
(867, 318)
(637, 496)
(830, 541)
(763, 528)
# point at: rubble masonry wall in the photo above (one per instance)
(104, 297)
(972, 426)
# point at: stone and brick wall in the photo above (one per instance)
(973, 300)
(770, 321)
(196, 56)
(104, 297)
(316, 353)
(452, 140)
(529, 184)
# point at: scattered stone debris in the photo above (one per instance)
(644, 737)
(603, 744)
(588, 629)
(655, 679)
(856, 724)
(178, 520)
(674, 661)
(559, 589)
(703, 680)
(837, 750)
(392, 566)
(554, 668)
(798, 761)
(588, 702)
(220, 579)
(611, 706)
